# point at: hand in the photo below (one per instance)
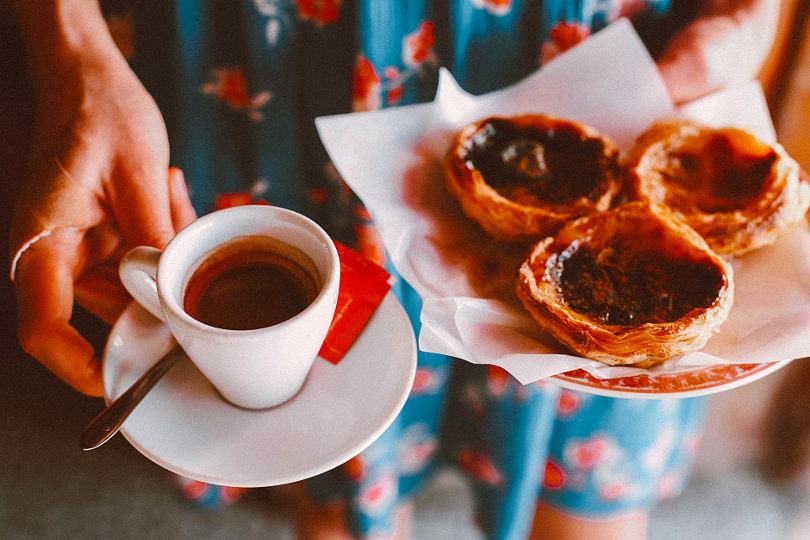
(97, 180)
(725, 44)
(81, 265)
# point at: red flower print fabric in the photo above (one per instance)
(230, 86)
(319, 11)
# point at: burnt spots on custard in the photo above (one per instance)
(535, 166)
(726, 173)
(624, 284)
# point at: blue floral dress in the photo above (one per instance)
(240, 83)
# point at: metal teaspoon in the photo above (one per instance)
(106, 424)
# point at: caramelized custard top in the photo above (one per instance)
(626, 284)
(725, 172)
(535, 166)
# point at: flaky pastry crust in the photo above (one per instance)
(736, 191)
(628, 286)
(523, 177)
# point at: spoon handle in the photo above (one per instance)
(106, 424)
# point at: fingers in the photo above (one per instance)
(727, 44)
(101, 293)
(99, 290)
(141, 205)
(44, 287)
(150, 212)
(182, 211)
(694, 63)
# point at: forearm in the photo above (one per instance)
(62, 35)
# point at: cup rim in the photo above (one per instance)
(332, 280)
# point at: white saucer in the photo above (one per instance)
(186, 427)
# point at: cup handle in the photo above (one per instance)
(138, 272)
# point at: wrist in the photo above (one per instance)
(62, 36)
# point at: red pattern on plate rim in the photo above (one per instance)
(686, 381)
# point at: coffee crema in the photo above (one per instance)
(250, 282)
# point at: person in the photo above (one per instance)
(232, 89)
(785, 455)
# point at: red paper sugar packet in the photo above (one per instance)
(363, 285)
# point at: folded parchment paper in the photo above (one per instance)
(391, 159)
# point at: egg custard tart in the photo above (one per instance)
(628, 286)
(735, 190)
(523, 177)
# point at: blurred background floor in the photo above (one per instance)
(51, 489)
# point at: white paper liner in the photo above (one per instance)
(391, 159)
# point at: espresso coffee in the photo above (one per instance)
(250, 282)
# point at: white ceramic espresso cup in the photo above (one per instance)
(251, 368)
